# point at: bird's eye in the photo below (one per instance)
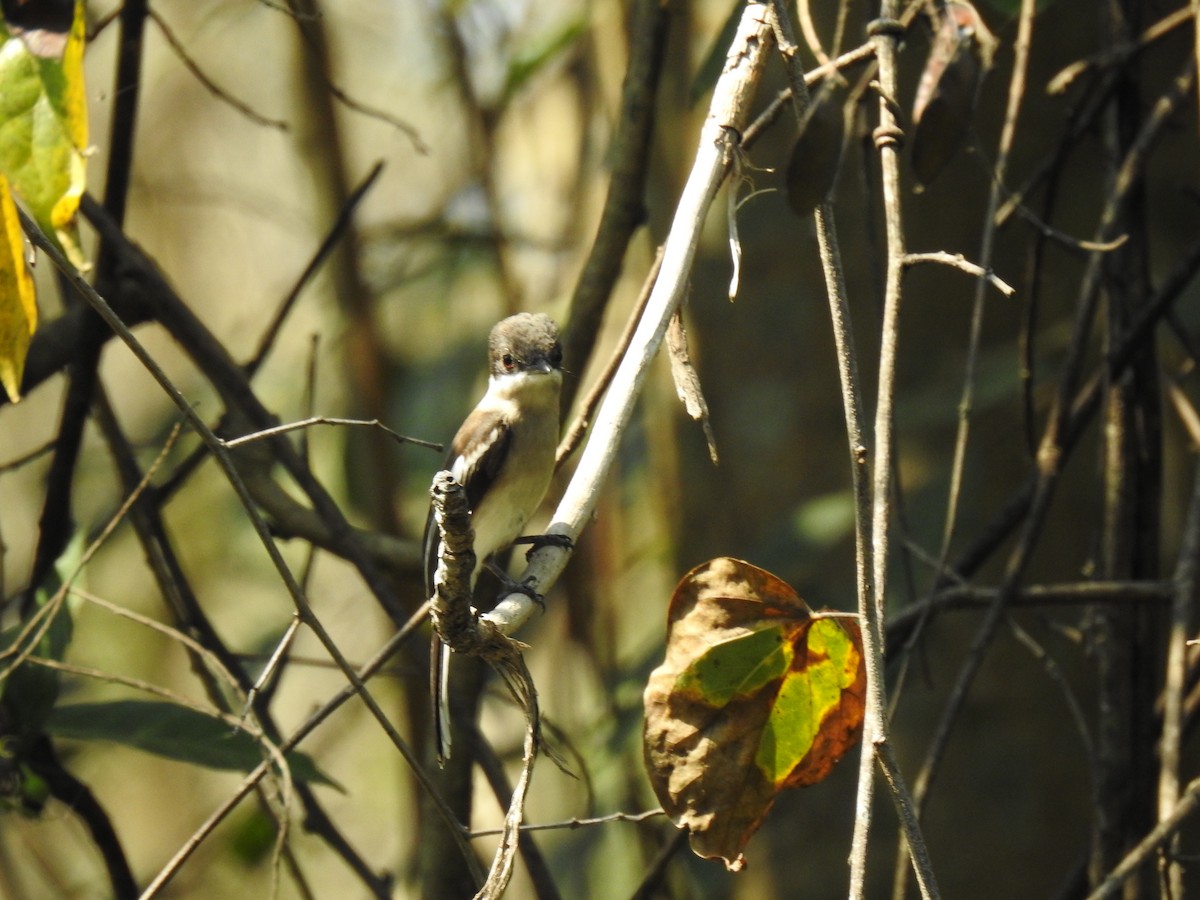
(556, 356)
(508, 362)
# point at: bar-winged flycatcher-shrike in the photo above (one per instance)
(503, 455)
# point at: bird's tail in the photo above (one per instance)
(439, 686)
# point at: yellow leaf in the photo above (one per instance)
(18, 306)
(75, 124)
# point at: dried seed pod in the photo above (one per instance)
(959, 57)
(817, 153)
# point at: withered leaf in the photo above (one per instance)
(687, 381)
(959, 57)
(757, 694)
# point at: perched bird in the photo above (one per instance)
(503, 455)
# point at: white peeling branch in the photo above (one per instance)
(719, 139)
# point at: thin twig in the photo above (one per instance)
(209, 654)
(775, 108)
(174, 634)
(273, 664)
(885, 34)
(1035, 596)
(1051, 451)
(329, 420)
(876, 746)
(1074, 707)
(307, 20)
(1082, 407)
(36, 625)
(575, 434)
(325, 523)
(256, 520)
(309, 725)
(1195, 10)
(571, 824)
(1016, 92)
(335, 233)
(1185, 410)
(1078, 245)
(960, 262)
(1115, 57)
(536, 866)
(210, 657)
(155, 690)
(211, 86)
(809, 30)
(26, 458)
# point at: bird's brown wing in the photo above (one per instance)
(491, 434)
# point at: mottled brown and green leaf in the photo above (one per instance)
(757, 694)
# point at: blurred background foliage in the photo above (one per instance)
(493, 120)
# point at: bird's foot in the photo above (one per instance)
(512, 586)
(537, 541)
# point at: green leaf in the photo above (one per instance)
(738, 666)
(174, 732)
(18, 305)
(253, 838)
(809, 700)
(30, 692)
(757, 694)
(43, 124)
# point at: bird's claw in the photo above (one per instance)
(524, 587)
(537, 541)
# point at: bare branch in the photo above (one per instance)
(958, 261)
(572, 824)
(727, 114)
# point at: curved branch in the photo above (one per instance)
(718, 142)
(624, 207)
